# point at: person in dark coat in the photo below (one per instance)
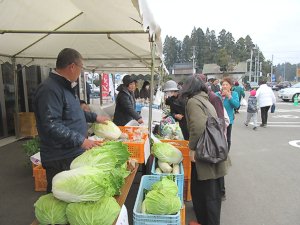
(61, 123)
(136, 91)
(145, 91)
(125, 103)
(177, 108)
(88, 92)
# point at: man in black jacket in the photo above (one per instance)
(61, 123)
(125, 103)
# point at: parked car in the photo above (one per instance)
(289, 93)
(281, 85)
(272, 85)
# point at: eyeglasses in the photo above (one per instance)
(81, 66)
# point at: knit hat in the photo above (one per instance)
(236, 83)
(127, 79)
(253, 93)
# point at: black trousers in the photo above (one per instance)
(206, 195)
(264, 114)
(54, 167)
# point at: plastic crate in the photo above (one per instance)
(131, 129)
(40, 181)
(183, 146)
(179, 177)
(136, 149)
(140, 218)
(182, 215)
(187, 190)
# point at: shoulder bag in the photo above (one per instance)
(212, 146)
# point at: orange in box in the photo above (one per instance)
(40, 181)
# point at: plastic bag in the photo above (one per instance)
(243, 102)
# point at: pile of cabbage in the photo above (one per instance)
(84, 194)
(162, 199)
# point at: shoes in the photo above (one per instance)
(193, 222)
(261, 125)
(254, 128)
(246, 124)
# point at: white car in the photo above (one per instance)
(288, 94)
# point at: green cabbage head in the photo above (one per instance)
(161, 202)
(102, 212)
(49, 210)
(166, 152)
(166, 184)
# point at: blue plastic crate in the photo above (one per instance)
(140, 218)
(178, 177)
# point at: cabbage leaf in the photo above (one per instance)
(166, 152)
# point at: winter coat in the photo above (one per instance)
(144, 93)
(178, 107)
(265, 96)
(196, 120)
(61, 123)
(252, 104)
(125, 107)
(230, 104)
(240, 91)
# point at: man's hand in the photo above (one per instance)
(88, 144)
(102, 119)
(140, 121)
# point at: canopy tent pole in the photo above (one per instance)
(152, 87)
(15, 75)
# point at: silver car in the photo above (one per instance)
(290, 93)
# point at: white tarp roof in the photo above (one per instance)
(125, 19)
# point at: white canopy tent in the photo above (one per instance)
(111, 35)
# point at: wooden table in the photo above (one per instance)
(124, 190)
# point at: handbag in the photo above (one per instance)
(212, 146)
(273, 108)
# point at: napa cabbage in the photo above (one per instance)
(83, 184)
(109, 131)
(166, 152)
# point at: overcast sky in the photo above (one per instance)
(273, 25)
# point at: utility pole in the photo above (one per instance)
(194, 48)
(272, 69)
(258, 66)
(250, 65)
(255, 69)
(284, 72)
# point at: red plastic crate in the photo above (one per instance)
(40, 181)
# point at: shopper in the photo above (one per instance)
(266, 98)
(125, 103)
(205, 177)
(252, 109)
(61, 123)
(145, 90)
(241, 93)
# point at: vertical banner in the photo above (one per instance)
(298, 72)
(105, 84)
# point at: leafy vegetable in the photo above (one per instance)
(32, 146)
(102, 212)
(83, 184)
(96, 157)
(166, 152)
(161, 202)
(109, 130)
(49, 210)
(120, 149)
(166, 184)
